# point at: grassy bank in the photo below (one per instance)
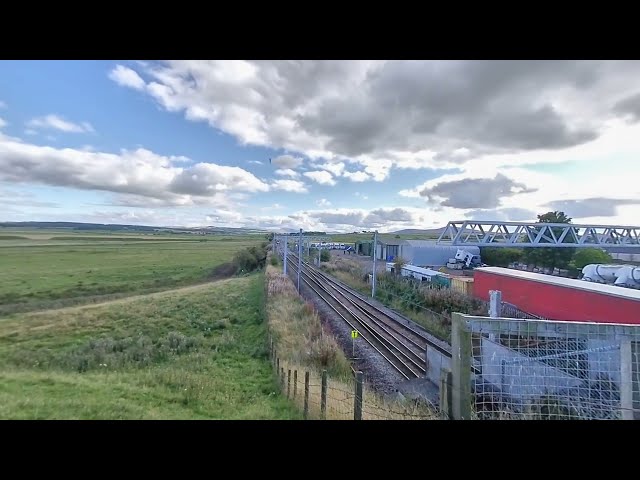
(195, 354)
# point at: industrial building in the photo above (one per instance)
(558, 298)
(421, 253)
(624, 254)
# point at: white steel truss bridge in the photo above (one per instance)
(524, 234)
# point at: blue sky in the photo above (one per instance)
(354, 145)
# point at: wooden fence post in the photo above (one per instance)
(277, 365)
(323, 396)
(282, 378)
(289, 383)
(306, 395)
(461, 368)
(357, 400)
(426, 361)
(295, 383)
(445, 394)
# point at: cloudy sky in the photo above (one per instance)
(331, 145)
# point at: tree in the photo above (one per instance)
(500, 257)
(554, 256)
(398, 263)
(585, 256)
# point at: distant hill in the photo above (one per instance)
(417, 231)
(129, 228)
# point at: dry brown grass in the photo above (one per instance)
(296, 328)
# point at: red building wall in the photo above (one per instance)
(557, 302)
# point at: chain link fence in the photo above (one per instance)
(541, 369)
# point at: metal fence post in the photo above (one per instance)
(495, 308)
(323, 396)
(289, 383)
(461, 367)
(626, 380)
(295, 383)
(357, 400)
(306, 395)
(286, 247)
(299, 258)
(373, 277)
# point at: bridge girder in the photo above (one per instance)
(525, 234)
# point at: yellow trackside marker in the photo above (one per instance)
(354, 333)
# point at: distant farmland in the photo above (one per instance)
(52, 269)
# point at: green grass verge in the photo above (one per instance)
(195, 354)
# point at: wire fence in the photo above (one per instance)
(320, 397)
(539, 369)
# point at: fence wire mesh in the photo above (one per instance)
(540, 369)
(340, 399)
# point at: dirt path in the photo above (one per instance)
(132, 298)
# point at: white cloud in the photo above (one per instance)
(335, 168)
(139, 173)
(365, 112)
(126, 77)
(30, 131)
(357, 176)
(256, 162)
(287, 161)
(58, 123)
(289, 186)
(320, 176)
(323, 202)
(2, 105)
(3, 123)
(286, 172)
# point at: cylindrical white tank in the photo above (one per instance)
(628, 276)
(596, 272)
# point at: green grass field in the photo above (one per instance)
(38, 273)
(195, 353)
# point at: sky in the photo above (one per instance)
(338, 146)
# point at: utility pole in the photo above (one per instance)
(299, 258)
(286, 247)
(319, 249)
(373, 278)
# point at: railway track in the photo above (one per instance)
(401, 344)
(402, 356)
